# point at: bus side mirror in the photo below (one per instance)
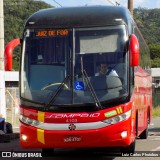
(8, 53)
(134, 50)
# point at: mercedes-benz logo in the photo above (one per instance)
(72, 127)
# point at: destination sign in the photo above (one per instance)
(49, 33)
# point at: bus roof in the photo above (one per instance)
(86, 16)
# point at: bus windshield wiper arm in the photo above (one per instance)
(53, 98)
(86, 79)
(97, 102)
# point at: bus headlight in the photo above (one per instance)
(118, 118)
(29, 121)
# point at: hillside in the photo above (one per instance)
(16, 12)
(149, 23)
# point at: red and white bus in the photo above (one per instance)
(62, 103)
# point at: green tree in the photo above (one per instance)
(148, 23)
(155, 63)
(16, 12)
(155, 50)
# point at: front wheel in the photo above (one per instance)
(129, 149)
(144, 134)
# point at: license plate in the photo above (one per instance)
(72, 139)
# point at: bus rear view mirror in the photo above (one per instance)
(134, 51)
(8, 53)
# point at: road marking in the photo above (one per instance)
(156, 149)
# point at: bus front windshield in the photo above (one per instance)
(74, 67)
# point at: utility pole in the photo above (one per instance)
(130, 6)
(2, 72)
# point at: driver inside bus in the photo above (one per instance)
(104, 70)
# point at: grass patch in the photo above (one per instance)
(156, 111)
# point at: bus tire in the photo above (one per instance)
(129, 149)
(144, 134)
(136, 124)
(47, 152)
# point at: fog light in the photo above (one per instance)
(24, 137)
(124, 134)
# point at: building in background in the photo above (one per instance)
(11, 78)
(155, 72)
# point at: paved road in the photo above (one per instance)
(151, 144)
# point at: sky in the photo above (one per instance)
(150, 4)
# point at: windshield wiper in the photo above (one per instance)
(97, 102)
(53, 98)
(84, 74)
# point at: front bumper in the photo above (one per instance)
(110, 136)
